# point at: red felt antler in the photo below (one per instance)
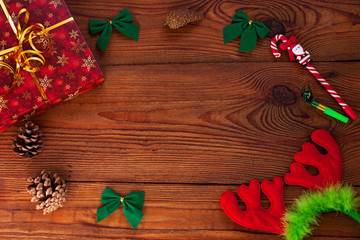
(255, 216)
(329, 165)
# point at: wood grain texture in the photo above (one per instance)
(185, 212)
(194, 123)
(183, 117)
(327, 29)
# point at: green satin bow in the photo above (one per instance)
(132, 205)
(248, 29)
(121, 22)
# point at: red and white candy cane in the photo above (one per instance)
(316, 74)
(273, 45)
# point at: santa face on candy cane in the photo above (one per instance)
(302, 56)
(295, 50)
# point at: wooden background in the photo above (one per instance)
(183, 117)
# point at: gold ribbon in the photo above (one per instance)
(30, 60)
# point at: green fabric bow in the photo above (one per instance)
(121, 22)
(248, 29)
(133, 204)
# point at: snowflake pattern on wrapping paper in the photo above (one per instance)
(70, 75)
(45, 82)
(52, 50)
(38, 12)
(73, 34)
(30, 115)
(3, 103)
(13, 17)
(39, 99)
(26, 95)
(47, 23)
(3, 43)
(88, 63)
(75, 62)
(51, 67)
(78, 46)
(43, 41)
(19, 79)
(71, 96)
(63, 60)
(55, 3)
(6, 2)
(61, 36)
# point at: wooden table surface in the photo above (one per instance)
(183, 117)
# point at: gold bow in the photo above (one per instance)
(30, 60)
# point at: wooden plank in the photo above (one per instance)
(330, 31)
(64, 232)
(194, 123)
(171, 212)
(214, 122)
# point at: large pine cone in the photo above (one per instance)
(48, 189)
(181, 17)
(27, 143)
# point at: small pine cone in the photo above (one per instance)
(27, 143)
(32, 191)
(180, 17)
(48, 190)
(34, 199)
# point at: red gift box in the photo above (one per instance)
(44, 59)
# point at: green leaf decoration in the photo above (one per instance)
(122, 22)
(132, 205)
(248, 29)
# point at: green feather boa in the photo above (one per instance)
(305, 211)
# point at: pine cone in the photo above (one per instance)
(49, 190)
(27, 143)
(181, 17)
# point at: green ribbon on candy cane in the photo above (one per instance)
(122, 22)
(248, 29)
(132, 205)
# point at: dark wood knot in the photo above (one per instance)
(275, 27)
(283, 95)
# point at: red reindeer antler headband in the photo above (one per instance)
(272, 219)
(255, 216)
